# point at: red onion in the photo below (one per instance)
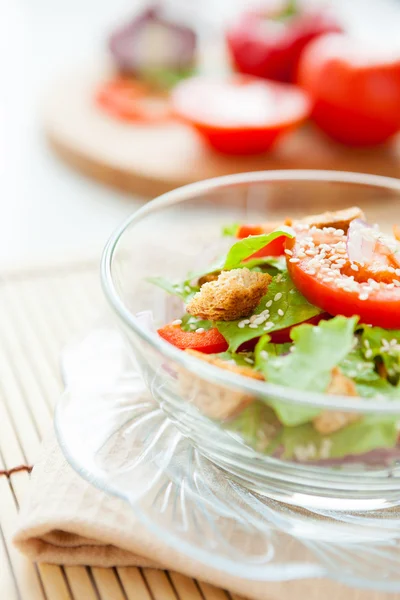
(361, 241)
(152, 42)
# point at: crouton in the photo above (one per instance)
(233, 295)
(330, 421)
(209, 277)
(215, 401)
(339, 219)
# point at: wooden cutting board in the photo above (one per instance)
(150, 160)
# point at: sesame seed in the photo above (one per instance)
(289, 252)
(366, 343)
(311, 271)
(260, 320)
(278, 296)
(280, 312)
(269, 324)
(327, 279)
(363, 296)
(253, 326)
(187, 289)
(368, 353)
(242, 324)
(294, 260)
(269, 303)
(390, 286)
(264, 354)
(200, 330)
(397, 271)
(177, 322)
(249, 360)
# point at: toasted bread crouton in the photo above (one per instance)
(215, 401)
(233, 295)
(209, 277)
(330, 421)
(339, 219)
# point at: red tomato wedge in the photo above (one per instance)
(208, 342)
(322, 276)
(241, 114)
(131, 100)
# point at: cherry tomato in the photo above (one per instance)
(131, 100)
(332, 291)
(355, 90)
(269, 44)
(239, 115)
(208, 342)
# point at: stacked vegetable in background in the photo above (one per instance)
(291, 61)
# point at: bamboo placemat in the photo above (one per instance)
(40, 311)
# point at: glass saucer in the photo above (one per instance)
(114, 435)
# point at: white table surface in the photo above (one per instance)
(46, 210)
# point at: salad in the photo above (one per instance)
(312, 304)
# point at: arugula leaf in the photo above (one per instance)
(230, 230)
(294, 306)
(362, 436)
(246, 247)
(182, 290)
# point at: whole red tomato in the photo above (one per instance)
(354, 88)
(268, 44)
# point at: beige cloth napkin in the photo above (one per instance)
(67, 521)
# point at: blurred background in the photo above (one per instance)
(51, 211)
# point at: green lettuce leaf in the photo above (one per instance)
(259, 428)
(242, 359)
(369, 433)
(246, 247)
(270, 264)
(294, 306)
(380, 389)
(230, 230)
(183, 290)
(317, 349)
(191, 323)
(383, 346)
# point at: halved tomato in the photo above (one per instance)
(241, 114)
(320, 269)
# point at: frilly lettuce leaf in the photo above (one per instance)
(259, 428)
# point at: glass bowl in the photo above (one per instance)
(179, 232)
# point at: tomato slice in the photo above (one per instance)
(208, 342)
(131, 100)
(318, 264)
(240, 114)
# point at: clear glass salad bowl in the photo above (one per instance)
(181, 232)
